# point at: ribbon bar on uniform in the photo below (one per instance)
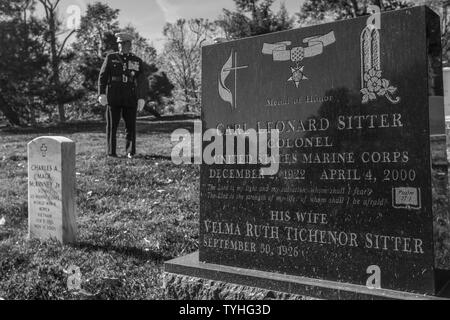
(123, 79)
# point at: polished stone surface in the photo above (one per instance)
(355, 103)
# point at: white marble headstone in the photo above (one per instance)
(51, 189)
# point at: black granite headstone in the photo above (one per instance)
(355, 103)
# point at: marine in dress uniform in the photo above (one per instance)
(122, 87)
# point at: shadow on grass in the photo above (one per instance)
(165, 124)
(68, 127)
(164, 127)
(143, 255)
(152, 157)
(173, 117)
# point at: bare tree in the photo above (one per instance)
(56, 51)
(181, 57)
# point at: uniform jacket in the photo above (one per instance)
(122, 79)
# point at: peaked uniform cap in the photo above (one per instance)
(123, 36)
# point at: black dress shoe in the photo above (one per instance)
(113, 155)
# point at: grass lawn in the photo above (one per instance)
(132, 216)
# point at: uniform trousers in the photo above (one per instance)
(113, 115)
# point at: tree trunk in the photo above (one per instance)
(33, 115)
(444, 17)
(9, 113)
(186, 97)
(55, 67)
(354, 8)
(62, 114)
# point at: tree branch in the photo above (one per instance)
(64, 42)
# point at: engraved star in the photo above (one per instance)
(297, 75)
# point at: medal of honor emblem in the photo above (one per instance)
(315, 46)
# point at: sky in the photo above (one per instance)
(150, 16)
